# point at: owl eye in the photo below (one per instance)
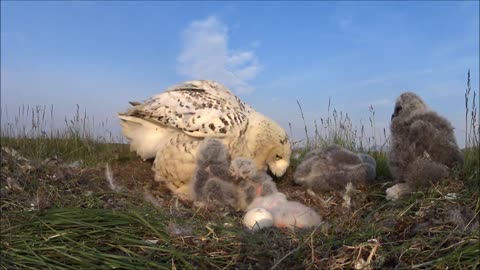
(396, 111)
(277, 157)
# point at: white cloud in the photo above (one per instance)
(206, 55)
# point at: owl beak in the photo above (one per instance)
(278, 167)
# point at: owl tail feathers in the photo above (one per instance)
(145, 138)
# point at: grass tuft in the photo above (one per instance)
(33, 133)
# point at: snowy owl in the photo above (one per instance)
(333, 167)
(171, 125)
(423, 146)
(217, 182)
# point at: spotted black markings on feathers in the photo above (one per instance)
(185, 147)
(244, 130)
(224, 121)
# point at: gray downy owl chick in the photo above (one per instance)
(251, 182)
(217, 182)
(207, 184)
(220, 193)
(423, 146)
(332, 167)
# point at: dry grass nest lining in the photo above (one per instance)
(78, 222)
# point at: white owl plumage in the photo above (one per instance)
(171, 125)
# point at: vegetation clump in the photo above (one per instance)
(59, 209)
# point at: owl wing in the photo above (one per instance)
(198, 108)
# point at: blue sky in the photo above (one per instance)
(103, 54)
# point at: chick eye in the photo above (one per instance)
(397, 109)
(277, 157)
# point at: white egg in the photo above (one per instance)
(258, 218)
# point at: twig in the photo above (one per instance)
(374, 250)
